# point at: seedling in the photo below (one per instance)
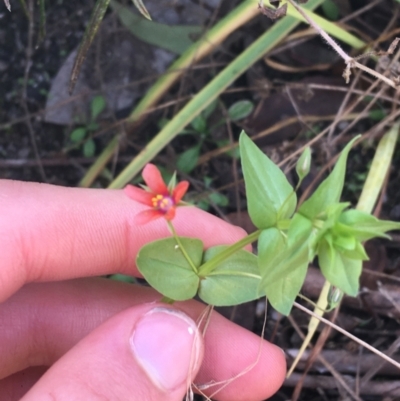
(81, 136)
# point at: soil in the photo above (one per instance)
(298, 79)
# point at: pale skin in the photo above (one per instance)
(54, 241)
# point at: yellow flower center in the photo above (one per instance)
(162, 203)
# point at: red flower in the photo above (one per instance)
(163, 202)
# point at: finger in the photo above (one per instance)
(14, 387)
(151, 351)
(54, 233)
(53, 317)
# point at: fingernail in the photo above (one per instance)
(167, 344)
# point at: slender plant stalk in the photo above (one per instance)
(346, 333)
(212, 264)
(181, 247)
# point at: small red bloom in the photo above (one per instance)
(162, 201)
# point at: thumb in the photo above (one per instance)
(147, 352)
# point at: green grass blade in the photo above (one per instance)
(142, 8)
(23, 6)
(378, 170)
(253, 53)
(332, 28)
(95, 20)
(174, 38)
(42, 20)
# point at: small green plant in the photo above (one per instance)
(81, 136)
(201, 128)
(289, 237)
(211, 196)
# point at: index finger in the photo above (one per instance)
(54, 233)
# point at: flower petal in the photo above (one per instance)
(146, 216)
(170, 214)
(139, 195)
(179, 191)
(153, 179)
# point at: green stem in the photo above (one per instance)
(209, 266)
(181, 247)
(167, 300)
(379, 168)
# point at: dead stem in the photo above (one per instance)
(350, 61)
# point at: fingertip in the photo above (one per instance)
(149, 350)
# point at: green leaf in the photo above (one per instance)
(97, 106)
(364, 226)
(233, 282)
(283, 268)
(357, 253)
(330, 190)
(330, 9)
(124, 278)
(89, 148)
(301, 230)
(219, 199)
(339, 270)
(78, 134)
(240, 110)
(92, 126)
(142, 9)
(328, 219)
(303, 164)
(187, 160)
(347, 243)
(210, 109)
(175, 38)
(267, 189)
(199, 124)
(98, 12)
(165, 268)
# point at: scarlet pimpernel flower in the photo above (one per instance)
(162, 200)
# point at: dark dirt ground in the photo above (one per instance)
(299, 79)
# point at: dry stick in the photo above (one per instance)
(327, 365)
(225, 383)
(315, 351)
(341, 110)
(374, 369)
(350, 61)
(349, 335)
(29, 53)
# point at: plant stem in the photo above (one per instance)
(167, 300)
(181, 247)
(379, 168)
(209, 266)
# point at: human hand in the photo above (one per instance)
(104, 339)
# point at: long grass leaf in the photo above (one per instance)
(95, 20)
(142, 8)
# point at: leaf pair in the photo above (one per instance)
(167, 269)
